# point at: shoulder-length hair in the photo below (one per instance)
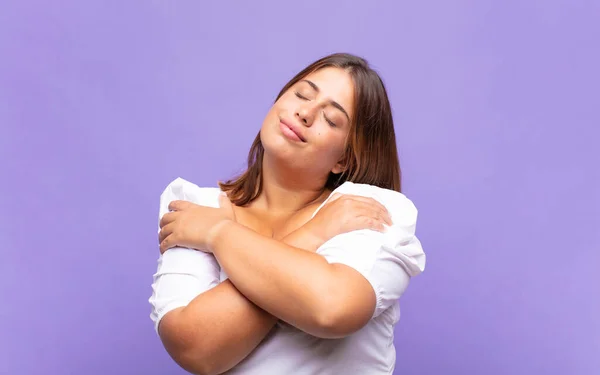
(371, 155)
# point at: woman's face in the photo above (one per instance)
(307, 127)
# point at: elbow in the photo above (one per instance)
(188, 352)
(200, 360)
(333, 321)
(203, 362)
(343, 311)
(327, 326)
(196, 362)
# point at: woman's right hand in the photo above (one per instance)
(347, 213)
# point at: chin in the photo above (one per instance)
(280, 150)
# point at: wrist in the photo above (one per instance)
(216, 232)
(313, 234)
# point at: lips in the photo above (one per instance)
(295, 129)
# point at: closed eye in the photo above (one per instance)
(300, 95)
(331, 123)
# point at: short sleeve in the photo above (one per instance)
(387, 260)
(182, 274)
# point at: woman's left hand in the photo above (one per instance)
(191, 225)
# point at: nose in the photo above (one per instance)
(306, 114)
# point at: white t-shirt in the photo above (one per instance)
(387, 260)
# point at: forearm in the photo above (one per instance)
(215, 331)
(220, 327)
(290, 283)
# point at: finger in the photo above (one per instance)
(374, 204)
(165, 232)
(374, 208)
(383, 216)
(378, 211)
(367, 218)
(179, 205)
(373, 223)
(167, 218)
(367, 222)
(167, 243)
(388, 220)
(378, 215)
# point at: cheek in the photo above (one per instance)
(331, 143)
(271, 119)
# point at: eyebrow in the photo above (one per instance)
(332, 102)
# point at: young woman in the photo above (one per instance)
(297, 265)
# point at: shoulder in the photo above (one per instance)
(399, 241)
(181, 189)
(401, 208)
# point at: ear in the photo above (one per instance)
(338, 168)
(341, 165)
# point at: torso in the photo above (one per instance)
(271, 225)
(286, 349)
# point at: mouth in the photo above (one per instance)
(291, 131)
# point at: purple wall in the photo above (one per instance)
(496, 103)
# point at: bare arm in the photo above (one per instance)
(299, 287)
(220, 327)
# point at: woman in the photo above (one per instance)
(297, 267)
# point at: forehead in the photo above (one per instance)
(334, 84)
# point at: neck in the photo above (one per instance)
(286, 191)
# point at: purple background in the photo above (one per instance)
(496, 103)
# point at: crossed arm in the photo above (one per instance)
(354, 277)
(221, 326)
